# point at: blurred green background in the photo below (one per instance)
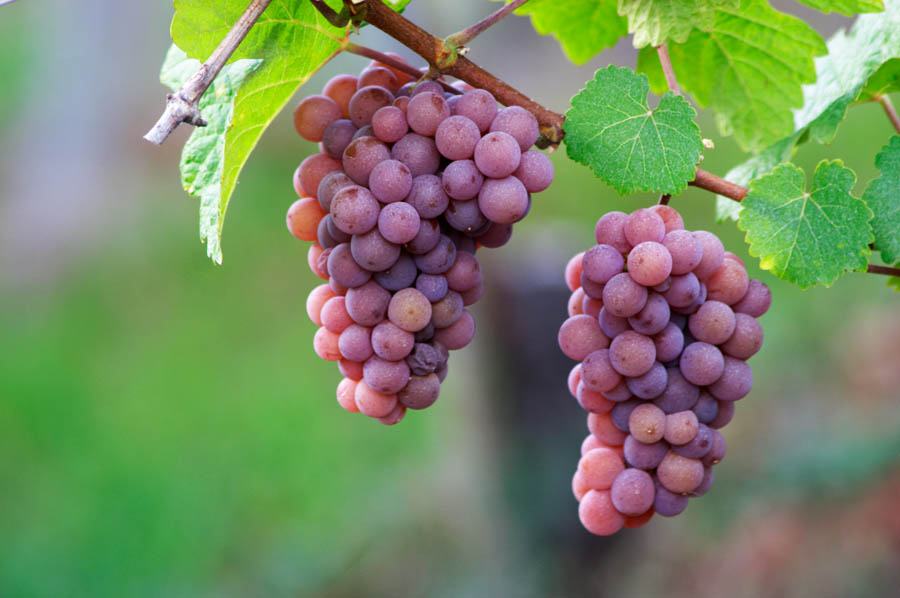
(168, 431)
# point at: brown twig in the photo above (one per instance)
(716, 184)
(664, 199)
(181, 106)
(668, 70)
(890, 111)
(461, 38)
(432, 50)
(886, 270)
(393, 63)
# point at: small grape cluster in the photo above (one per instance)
(662, 321)
(410, 180)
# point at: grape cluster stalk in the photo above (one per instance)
(662, 321)
(409, 182)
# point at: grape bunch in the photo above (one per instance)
(411, 178)
(662, 321)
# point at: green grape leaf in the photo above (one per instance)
(749, 67)
(653, 22)
(611, 128)
(852, 58)
(883, 198)
(845, 7)
(583, 28)
(884, 81)
(807, 237)
(291, 38)
(894, 281)
(755, 167)
(203, 155)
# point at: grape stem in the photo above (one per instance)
(181, 106)
(716, 184)
(665, 61)
(890, 111)
(664, 199)
(461, 38)
(393, 63)
(886, 270)
(432, 49)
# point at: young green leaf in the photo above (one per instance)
(749, 67)
(203, 155)
(884, 81)
(653, 22)
(292, 38)
(755, 167)
(807, 237)
(894, 282)
(883, 197)
(583, 28)
(845, 7)
(851, 60)
(611, 128)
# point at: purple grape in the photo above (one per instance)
(519, 123)
(535, 170)
(503, 200)
(623, 297)
(419, 153)
(354, 210)
(668, 504)
(633, 492)
(683, 291)
(330, 184)
(653, 317)
(747, 338)
(497, 155)
(479, 106)
(456, 138)
(465, 273)
(706, 408)
(644, 456)
(337, 234)
(723, 417)
(399, 276)
(701, 363)
(426, 111)
(709, 477)
(610, 230)
(462, 180)
(389, 124)
(367, 304)
(427, 239)
(613, 326)
(420, 392)
(602, 262)
(427, 196)
(433, 286)
(387, 377)
(390, 342)
(497, 235)
(756, 301)
(679, 394)
(390, 181)
(399, 223)
(465, 216)
(735, 382)
(427, 86)
(344, 270)
(448, 310)
(424, 359)
(712, 323)
(457, 335)
(651, 384)
(337, 137)
(361, 156)
(366, 102)
(699, 446)
(439, 259)
(373, 252)
(621, 413)
(685, 249)
(355, 343)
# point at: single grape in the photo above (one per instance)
(724, 415)
(313, 115)
(462, 180)
(712, 323)
(728, 284)
(373, 252)
(706, 409)
(573, 271)
(683, 291)
(424, 359)
(649, 263)
(632, 354)
(756, 301)
(716, 450)
(380, 76)
(600, 467)
(574, 379)
(334, 315)
(419, 153)
(314, 168)
(581, 335)
(702, 363)
(428, 237)
(591, 400)
(427, 86)
(325, 344)
(644, 225)
(465, 216)
(669, 504)
(366, 102)
(373, 403)
(679, 395)
(644, 456)
(390, 342)
(330, 184)
(735, 382)
(497, 155)
(464, 274)
(610, 230)
(497, 235)
(647, 423)
(698, 446)
(409, 309)
(621, 413)
(303, 218)
(709, 477)
(576, 302)
(420, 392)
(337, 137)
(344, 270)
(535, 170)
(670, 217)
(649, 385)
(395, 416)
(579, 487)
(518, 123)
(632, 492)
(426, 111)
(448, 310)
(456, 137)
(653, 317)
(678, 474)
(591, 306)
(747, 338)
(427, 196)
(611, 325)
(316, 300)
(592, 289)
(351, 369)
(387, 377)
(367, 304)
(623, 297)
(399, 223)
(685, 249)
(601, 426)
(618, 394)
(346, 389)
(340, 89)
(400, 275)
(312, 258)
(598, 515)
(457, 335)
(681, 427)
(479, 106)
(355, 343)
(597, 372)
(602, 262)
(390, 181)
(713, 254)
